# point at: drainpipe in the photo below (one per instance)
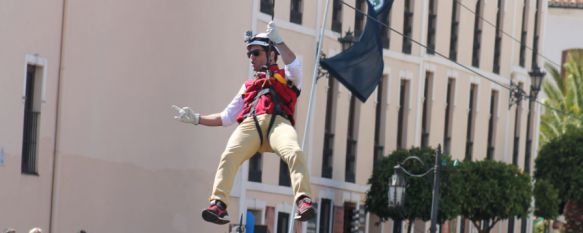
(55, 175)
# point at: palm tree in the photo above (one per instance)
(564, 111)
(564, 103)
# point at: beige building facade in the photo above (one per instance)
(562, 16)
(87, 136)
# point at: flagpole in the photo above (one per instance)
(314, 80)
(311, 105)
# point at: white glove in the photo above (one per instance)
(273, 34)
(186, 115)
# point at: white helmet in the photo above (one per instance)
(261, 39)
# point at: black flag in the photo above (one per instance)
(360, 67)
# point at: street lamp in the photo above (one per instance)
(397, 188)
(536, 74)
(397, 185)
(347, 40)
(516, 94)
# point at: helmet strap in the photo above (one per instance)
(270, 44)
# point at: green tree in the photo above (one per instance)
(546, 202)
(493, 191)
(565, 98)
(419, 190)
(560, 161)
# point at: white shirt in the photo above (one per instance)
(293, 72)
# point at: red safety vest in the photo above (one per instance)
(276, 96)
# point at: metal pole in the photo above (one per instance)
(56, 173)
(535, 44)
(527, 155)
(315, 78)
(311, 103)
(435, 196)
(528, 149)
(240, 230)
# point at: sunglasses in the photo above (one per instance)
(254, 52)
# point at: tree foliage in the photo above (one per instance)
(547, 200)
(565, 98)
(419, 190)
(493, 191)
(483, 192)
(560, 162)
(546, 204)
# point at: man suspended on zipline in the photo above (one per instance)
(264, 109)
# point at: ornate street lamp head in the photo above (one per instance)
(537, 74)
(397, 189)
(347, 40)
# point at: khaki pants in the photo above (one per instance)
(245, 142)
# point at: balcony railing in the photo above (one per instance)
(328, 155)
(447, 145)
(379, 151)
(425, 139)
(431, 34)
(515, 151)
(351, 160)
(30, 143)
(469, 150)
(490, 152)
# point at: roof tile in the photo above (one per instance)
(566, 3)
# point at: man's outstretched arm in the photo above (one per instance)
(225, 118)
(211, 120)
(186, 115)
(285, 52)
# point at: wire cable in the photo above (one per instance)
(509, 88)
(424, 46)
(505, 33)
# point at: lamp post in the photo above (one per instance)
(347, 40)
(397, 188)
(536, 74)
(398, 185)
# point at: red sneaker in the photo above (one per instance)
(305, 210)
(216, 213)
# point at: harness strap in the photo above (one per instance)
(277, 111)
(294, 88)
(254, 114)
(258, 129)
